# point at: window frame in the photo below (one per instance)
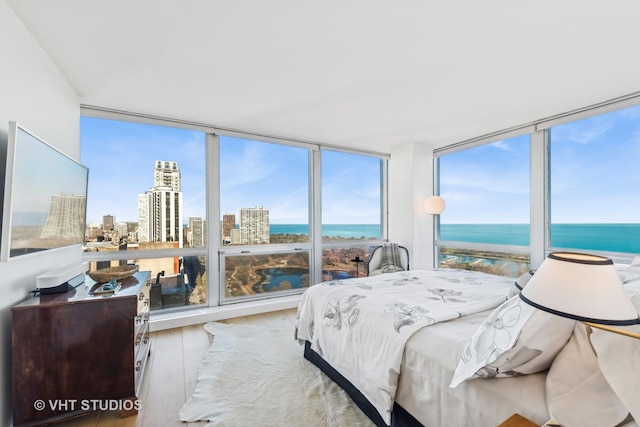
(540, 180)
(214, 250)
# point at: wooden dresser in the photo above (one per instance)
(75, 352)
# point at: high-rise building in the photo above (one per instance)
(144, 219)
(228, 224)
(66, 217)
(198, 235)
(160, 208)
(254, 226)
(166, 174)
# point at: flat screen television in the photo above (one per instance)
(45, 197)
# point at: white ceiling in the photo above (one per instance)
(358, 73)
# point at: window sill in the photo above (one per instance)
(162, 321)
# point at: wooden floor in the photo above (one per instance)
(171, 374)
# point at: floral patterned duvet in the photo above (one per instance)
(360, 326)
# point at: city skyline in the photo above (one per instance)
(116, 151)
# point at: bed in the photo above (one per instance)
(396, 344)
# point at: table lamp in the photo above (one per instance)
(582, 287)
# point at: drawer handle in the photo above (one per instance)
(141, 296)
(138, 339)
(138, 365)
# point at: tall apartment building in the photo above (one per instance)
(228, 224)
(254, 226)
(198, 234)
(166, 174)
(66, 217)
(160, 208)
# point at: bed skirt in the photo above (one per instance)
(399, 417)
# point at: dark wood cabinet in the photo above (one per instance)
(77, 352)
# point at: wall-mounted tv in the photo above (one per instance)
(45, 197)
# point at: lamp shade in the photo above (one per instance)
(582, 287)
(434, 205)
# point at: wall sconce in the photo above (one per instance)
(434, 205)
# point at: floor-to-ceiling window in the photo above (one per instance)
(146, 205)
(593, 183)
(579, 195)
(485, 225)
(352, 221)
(268, 217)
(264, 206)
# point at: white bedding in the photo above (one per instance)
(368, 349)
(431, 357)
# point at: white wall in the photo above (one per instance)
(35, 94)
(410, 183)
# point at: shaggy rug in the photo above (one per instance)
(256, 376)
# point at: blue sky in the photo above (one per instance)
(594, 169)
(121, 155)
(594, 175)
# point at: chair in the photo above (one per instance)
(374, 265)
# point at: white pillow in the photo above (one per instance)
(629, 273)
(576, 390)
(515, 339)
(520, 283)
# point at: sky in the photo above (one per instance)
(594, 169)
(590, 181)
(121, 155)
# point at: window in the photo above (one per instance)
(150, 186)
(147, 192)
(264, 200)
(264, 192)
(487, 191)
(351, 197)
(352, 221)
(594, 181)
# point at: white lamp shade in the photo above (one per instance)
(434, 205)
(582, 287)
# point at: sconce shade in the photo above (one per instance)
(434, 205)
(581, 287)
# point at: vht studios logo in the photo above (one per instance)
(87, 405)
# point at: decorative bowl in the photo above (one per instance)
(118, 272)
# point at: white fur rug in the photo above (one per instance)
(256, 376)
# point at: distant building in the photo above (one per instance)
(121, 228)
(234, 236)
(254, 226)
(228, 224)
(144, 220)
(108, 222)
(198, 235)
(166, 174)
(160, 208)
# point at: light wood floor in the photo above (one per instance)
(171, 374)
